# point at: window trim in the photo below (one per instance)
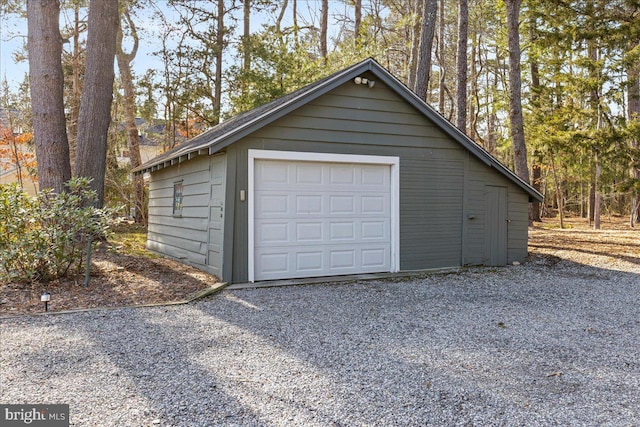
(178, 198)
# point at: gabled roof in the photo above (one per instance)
(250, 121)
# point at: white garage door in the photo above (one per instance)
(321, 218)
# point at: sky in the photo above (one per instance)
(13, 31)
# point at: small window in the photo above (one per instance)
(177, 198)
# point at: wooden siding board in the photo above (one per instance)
(177, 252)
(321, 136)
(341, 112)
(349, 125)
(181, 237)
(193, 246)
(334, 99)
(179, 222)
(178, 232)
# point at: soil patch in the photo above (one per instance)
(117, 280)
(616, 246)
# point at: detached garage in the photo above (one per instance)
(352, 174)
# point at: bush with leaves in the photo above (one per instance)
(45, 237)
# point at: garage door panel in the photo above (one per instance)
(343, 204)
(281, 262)
(273, 232)
(308, 173)
(374, 204)
(342, 230)
(376, 257)
(309, 231)
(375, 230)
(341, 259)
(373, 176)
(273, 173)
(319, 219)
(308, 204)
(342, 175)
(272, 204)
(310, 262)
(274, 262)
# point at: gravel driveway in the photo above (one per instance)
(545, 343)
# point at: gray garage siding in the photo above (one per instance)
(479, 176)
(445, 183)
(431, 210)
(182, 237)
(371, 122)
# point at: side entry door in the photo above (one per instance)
(495, 227)
(216, 215)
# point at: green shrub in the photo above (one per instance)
(45, 237)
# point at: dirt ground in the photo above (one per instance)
(116, 280)
(616, 246)
(119, 279)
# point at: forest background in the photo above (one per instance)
(550, 88)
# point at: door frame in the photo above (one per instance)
(392, 161)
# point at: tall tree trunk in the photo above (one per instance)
(97, 94)
(295, 24)
(415, 43)
(124, 65)
(441, 62)
(536, 182)
(46, 82)
(598, 199)
(76, 84)
(515, 91)
(429, 12)
(592, 196)
(357, 22)
(633, 110)
(220, 31)
(535, 100)
(461, 66)
(594, 102)
(558, 189)
(474, 103)
(246, 36)
(279, 19)
(324, 23)
(492, 118)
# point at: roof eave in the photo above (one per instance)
(221, 141)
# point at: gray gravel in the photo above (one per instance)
(536, 344)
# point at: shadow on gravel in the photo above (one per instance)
(153, 351)
(529, 345)
(526, 345)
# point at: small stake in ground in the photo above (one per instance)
(45, 298)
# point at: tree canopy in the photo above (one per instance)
(548, 87)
